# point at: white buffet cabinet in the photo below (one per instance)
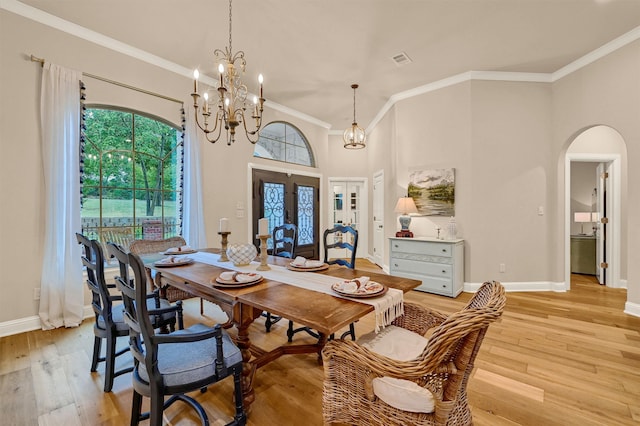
(439, 264)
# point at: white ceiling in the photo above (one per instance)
(311, 51)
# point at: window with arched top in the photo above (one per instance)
(282, 141)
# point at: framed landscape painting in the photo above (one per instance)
(433, 191)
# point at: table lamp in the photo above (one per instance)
(404, 206)
(582, 218)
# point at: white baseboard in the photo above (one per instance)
(632, 309)
(522, 286)
(22, 325)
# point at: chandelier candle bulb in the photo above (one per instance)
(263, 226)
(221, 70)
(224, 225)
(196, 75)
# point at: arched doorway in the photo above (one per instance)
(604, 148)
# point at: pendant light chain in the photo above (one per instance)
(354, 102)
(230, 20)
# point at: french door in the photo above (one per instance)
(348, 204)
(287, 198)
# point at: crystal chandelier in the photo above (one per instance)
(232, 97)
(354, 137)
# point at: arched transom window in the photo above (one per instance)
(282, 141)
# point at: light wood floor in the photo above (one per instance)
(553, 359)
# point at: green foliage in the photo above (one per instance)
(437, 192)
(124, 208)
(129, 156)
(442, 193)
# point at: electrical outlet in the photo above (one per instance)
(503, 267)
(36, 293)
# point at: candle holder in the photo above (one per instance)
(263, 253)
(223, 244)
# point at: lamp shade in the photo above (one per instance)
(582, 217)
(406, 205)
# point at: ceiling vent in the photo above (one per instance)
(401, 59)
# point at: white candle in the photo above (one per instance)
(263, 226)
(224, 225)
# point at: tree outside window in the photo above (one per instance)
(132, 176)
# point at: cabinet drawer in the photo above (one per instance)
(421, 247)
(436, 285)
(440, 270)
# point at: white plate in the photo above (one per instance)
(176, 252)
(320, 266)
(178, 261)
(370, 289)
(239, 280)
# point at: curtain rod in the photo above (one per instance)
(117, 83)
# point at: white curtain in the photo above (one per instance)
(193, 213)
(61, 294)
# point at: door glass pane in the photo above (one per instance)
(305, 215)
(273, 206)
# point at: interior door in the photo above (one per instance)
(286, 198)
(378, 218)
(601, 223)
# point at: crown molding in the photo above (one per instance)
(598, 53)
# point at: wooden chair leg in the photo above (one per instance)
(240, 417)
(157, 407)
(351, 332)
(136, 408)
(97, 345)
(109, 361)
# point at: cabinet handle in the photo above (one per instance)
(444, 250)
(444, 286)
(395, 264)
(444, 272)
(395, 245)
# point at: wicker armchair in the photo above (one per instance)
(442, 368)
(170, 293)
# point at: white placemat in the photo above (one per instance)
(387, 307)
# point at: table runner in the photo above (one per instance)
(386, 308)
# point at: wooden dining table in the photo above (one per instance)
(327, 314)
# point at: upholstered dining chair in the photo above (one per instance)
(172, 364)
(338, 237)
(284, 238)
(171, 293)
(401, 377)
(109, 317)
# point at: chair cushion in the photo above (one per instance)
(402, 345)
(395, 342)
(403, 394)
(117, 314)
(164, 303)
(184, 363)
